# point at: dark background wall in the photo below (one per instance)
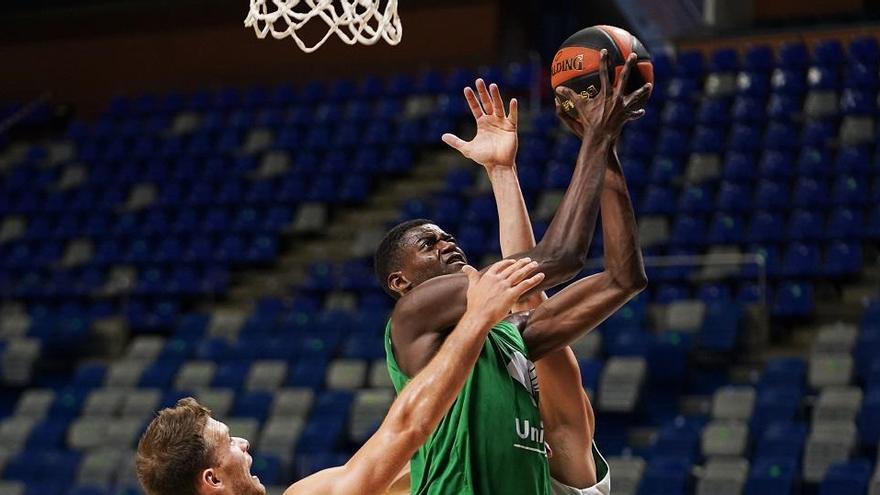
(84, 55)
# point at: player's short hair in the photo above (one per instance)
(387, 259)
(173, 450)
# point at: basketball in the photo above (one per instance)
(576, 64)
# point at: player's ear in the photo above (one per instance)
(399, 283)
(209, 481)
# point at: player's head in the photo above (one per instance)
(415, 251)
(187, 452)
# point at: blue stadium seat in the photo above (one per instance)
(759, 58)
(771, 476)
(784, 107)
(777, 164)
(744, 138)
(864, 50)
(739, 167)
(725, 229)
(847, 477)
(780, 136)
(678, 114)
(658, 200)
(850, 190)
(801, 260)
(828, 53)
(733, 197)
(766, 227)
(842, 258)
(869, 428)
(805, 225)
(688, 230)
(689, 64)
(749, 109)
(823, 78)
(771, 196)
(854, 102)
(818, 132)
(696, 199)
(714, 112)
(753, 84)
(793, 55)
(666, 475)
(861, 77)
(783, 439)
(794, 300)
(254, 404)
(814, 162)
(810, 193)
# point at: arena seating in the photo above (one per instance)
(160, 202)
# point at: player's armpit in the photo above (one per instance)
(572, 312)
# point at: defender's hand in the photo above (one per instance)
(491, 295)
(496, 142)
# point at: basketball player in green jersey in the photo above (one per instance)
(492, 440)
(575, 464)
(185, 451)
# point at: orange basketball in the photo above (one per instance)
(576, 64)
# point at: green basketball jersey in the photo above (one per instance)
(491, 442)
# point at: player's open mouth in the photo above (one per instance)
(455, 258)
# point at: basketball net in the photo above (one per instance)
(354, 21)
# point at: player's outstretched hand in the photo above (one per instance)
(607, 112)
(496, 142)
(492, 294)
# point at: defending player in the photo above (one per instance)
(186, 452)
(492, 440)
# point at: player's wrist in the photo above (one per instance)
(477, 318)
(501, 171)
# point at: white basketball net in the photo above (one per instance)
(354, 21)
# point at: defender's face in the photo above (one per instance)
(429, 252)
(235, 462)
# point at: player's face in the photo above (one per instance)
(234, 469)
(430, 252)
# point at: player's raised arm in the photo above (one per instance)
(425, 400)
(586, 303)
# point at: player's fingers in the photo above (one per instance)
(565, 93)
(513, 114)
(635, 114)
(528, 284)
(472, 274)
(454, 141)
(472, 102)
(497, 102)
(500, 266)
(638, 97)
(511, 269)
(484, 96)
(603, 71)
(624, 74)
(522, 272)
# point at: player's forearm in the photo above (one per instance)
(427, 397)
(421, 405)
(563, 249)
(622, 253)
(514, 225)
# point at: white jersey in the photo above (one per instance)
(602, 487)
